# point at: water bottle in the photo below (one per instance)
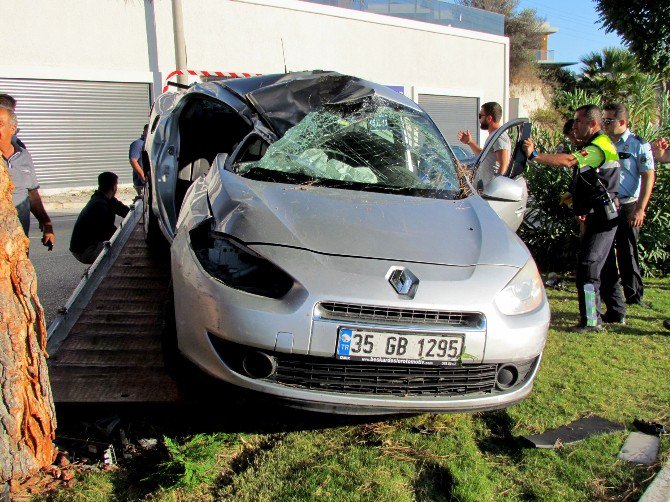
(590, 304)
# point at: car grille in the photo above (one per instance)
(356, 377)
(391, 315)
(384, 379)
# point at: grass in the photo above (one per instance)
(243, 454)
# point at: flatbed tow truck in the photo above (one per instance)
(105, 345)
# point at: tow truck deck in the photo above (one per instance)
(105, 345)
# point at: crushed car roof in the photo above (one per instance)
(283, 100)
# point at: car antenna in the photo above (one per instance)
(283, 54)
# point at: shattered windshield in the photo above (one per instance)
(372, 145)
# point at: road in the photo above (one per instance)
(58, 272)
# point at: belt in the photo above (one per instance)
(627, 200)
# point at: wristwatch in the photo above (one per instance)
(532, 155)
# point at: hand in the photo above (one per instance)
(637, 218)
(464, 137)
(566, 199)
(659, 147)
(581, 218)
(528, 147)
(48, 237)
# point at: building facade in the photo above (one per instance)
(85, 72)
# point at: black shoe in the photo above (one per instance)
(583, 328)
(614, 318)
(666, 324)
(639, 303)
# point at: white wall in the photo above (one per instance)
(247, 35)
(131, 40)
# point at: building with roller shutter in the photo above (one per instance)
(85, 73)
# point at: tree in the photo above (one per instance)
(27, 418)
(613, 73)
(645, 27)
(524, 32)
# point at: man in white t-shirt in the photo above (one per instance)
(497, 160)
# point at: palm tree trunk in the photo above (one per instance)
(27, 416)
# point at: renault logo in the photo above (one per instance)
(403, 281)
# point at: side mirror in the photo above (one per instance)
(503, 189)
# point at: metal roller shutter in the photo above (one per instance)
(452, 114)
(75, 129)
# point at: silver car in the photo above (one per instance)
(326, 250)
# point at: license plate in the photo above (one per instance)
(408, 348)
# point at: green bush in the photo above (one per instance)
(192, 460)
(548, 118)
(568, 102)
(654, 245)
(549, 229)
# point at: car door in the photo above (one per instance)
(167, 159)
(508, 194)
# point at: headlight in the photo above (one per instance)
(236, 265)
(523, 293)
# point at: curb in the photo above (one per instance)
(659, 489)
(75, 199)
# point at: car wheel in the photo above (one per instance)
(153, 236)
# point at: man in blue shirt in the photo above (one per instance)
(635, 185)
(135, 158)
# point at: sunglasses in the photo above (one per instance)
(609, 121)
(481, 115)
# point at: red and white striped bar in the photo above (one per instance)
(203, 73)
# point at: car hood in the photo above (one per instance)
(364, 224)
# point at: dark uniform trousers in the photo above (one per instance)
(626, 254)
(597, 265)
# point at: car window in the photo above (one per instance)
(373, 145)
(517, 130)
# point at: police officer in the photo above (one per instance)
(595, 186)
(636, 181)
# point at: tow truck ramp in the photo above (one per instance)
(105, 345)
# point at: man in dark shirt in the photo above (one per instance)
(95, 223)
(135, 158)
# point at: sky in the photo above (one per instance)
(579, 30)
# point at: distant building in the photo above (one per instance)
(543, 55)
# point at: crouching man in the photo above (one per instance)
(95, 223)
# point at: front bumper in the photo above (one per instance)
(211, 318)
